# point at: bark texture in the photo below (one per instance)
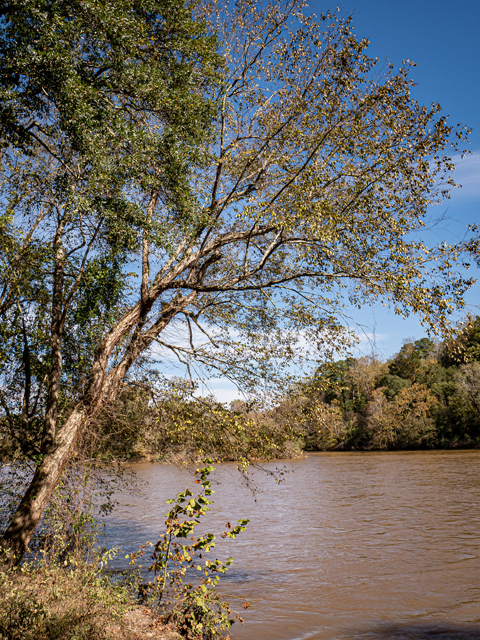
(103, 388)
(17, 537)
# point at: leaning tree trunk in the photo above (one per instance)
(102, 388)
(16, 538)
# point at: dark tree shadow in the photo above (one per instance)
(440, 630)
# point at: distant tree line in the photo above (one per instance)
(425, 396)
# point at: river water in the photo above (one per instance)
(350, 545)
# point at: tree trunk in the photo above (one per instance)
(16, 538)
(103, 388)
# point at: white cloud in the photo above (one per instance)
(368, 338)
(225, 396)
(467, 174)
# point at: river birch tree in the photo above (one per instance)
(307, 190)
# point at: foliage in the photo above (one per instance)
(91, 96)
(427, 395)
(325, 427)
(85, 71)
(404, 422)
(464, 346)
(70, 532)
(180, 560)
(410, 357)
(168, 422)
(122, 430)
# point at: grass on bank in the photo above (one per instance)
(50, 602)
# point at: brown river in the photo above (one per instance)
(350, 545)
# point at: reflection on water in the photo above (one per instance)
(368, 545)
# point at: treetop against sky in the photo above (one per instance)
(446, 52)
(443, 42)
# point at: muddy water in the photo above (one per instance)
(368, 545)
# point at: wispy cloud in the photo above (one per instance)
(370, 342)
(467, 174)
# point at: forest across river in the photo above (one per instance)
(349, 545)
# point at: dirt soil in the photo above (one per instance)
(142, 623)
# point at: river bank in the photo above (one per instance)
(53, 602)
(293, 452)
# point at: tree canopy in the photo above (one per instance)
(212, 183)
